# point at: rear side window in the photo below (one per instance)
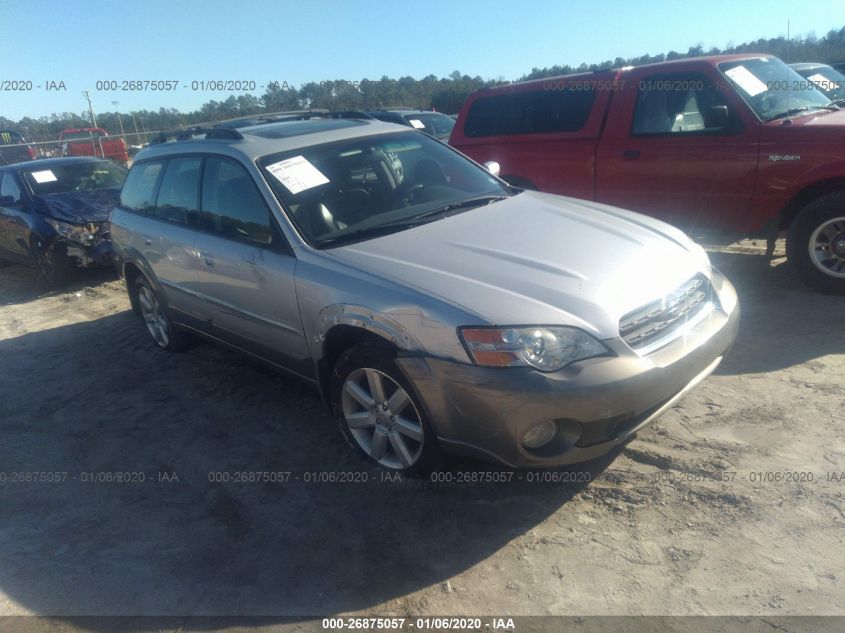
(539, 112)
(178, 196)
(231, 204)
(138, 193)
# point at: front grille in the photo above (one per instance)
(657, 322)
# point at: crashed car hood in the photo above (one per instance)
(79, 207)
(537, 259)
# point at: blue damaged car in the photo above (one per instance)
(54, 214)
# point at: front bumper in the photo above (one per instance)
(596, 404)
(99, 254)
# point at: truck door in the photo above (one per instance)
(671, 151)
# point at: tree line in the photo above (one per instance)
(444, 94)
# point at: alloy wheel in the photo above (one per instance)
(827, 247)
(154, 317)
(382, 418)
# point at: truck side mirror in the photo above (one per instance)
(493, 167)
(7, 201)
(716, 116)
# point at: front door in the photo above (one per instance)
(247, 270)
(671, 160)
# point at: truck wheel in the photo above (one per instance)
(379, 414)
(54, 266)
(816, 243)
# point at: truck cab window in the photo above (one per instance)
(674, 104)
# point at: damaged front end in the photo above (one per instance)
(88, 244)
(80, 220)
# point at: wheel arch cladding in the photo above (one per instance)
(341, 326)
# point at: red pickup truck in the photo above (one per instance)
(93, 141)
(739, 143)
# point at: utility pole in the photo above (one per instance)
(119, 120)
(135, 123)
(87, 95)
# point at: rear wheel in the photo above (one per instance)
(816, 243)
(379, 413)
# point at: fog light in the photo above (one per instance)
(539, 434)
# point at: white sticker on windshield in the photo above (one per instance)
(45, 175)
(746, 80)
(417, 123)
(821, 81)
(297, 174)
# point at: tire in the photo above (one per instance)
(398, 437)
(54, 266)
(154, 313)
(815, 244)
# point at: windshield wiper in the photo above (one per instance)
(455, 206)
(792, 111)
(408, 223)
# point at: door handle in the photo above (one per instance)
(148, 241)
(208, 259)
(631, 154)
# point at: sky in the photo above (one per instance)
(82, 42)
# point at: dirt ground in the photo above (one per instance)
(732, 503)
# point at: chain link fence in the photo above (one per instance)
(119, 148)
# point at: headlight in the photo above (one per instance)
(547, 348)
(83, 234)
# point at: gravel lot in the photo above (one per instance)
(656, 531)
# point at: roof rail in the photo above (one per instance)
(350, 114)
(190, 132)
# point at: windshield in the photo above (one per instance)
(351, 190)
(829, 80)
(772, 88)
(433, 123)
(77, 177)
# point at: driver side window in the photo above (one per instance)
(231, 204)
(675, 103)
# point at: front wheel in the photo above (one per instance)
(155, 317)
(816, 243)
(379, 413)
(54, 266)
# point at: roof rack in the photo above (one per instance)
(189, 132)
(350, 114)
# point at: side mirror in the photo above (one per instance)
(7, 201)
(493, 167)
(716, 116)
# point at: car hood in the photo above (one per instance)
(537, 259)
(79, 207)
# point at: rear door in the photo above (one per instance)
(662, 156)
(246, 269)
(165, 195)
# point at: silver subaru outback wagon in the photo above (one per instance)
(436, 309)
